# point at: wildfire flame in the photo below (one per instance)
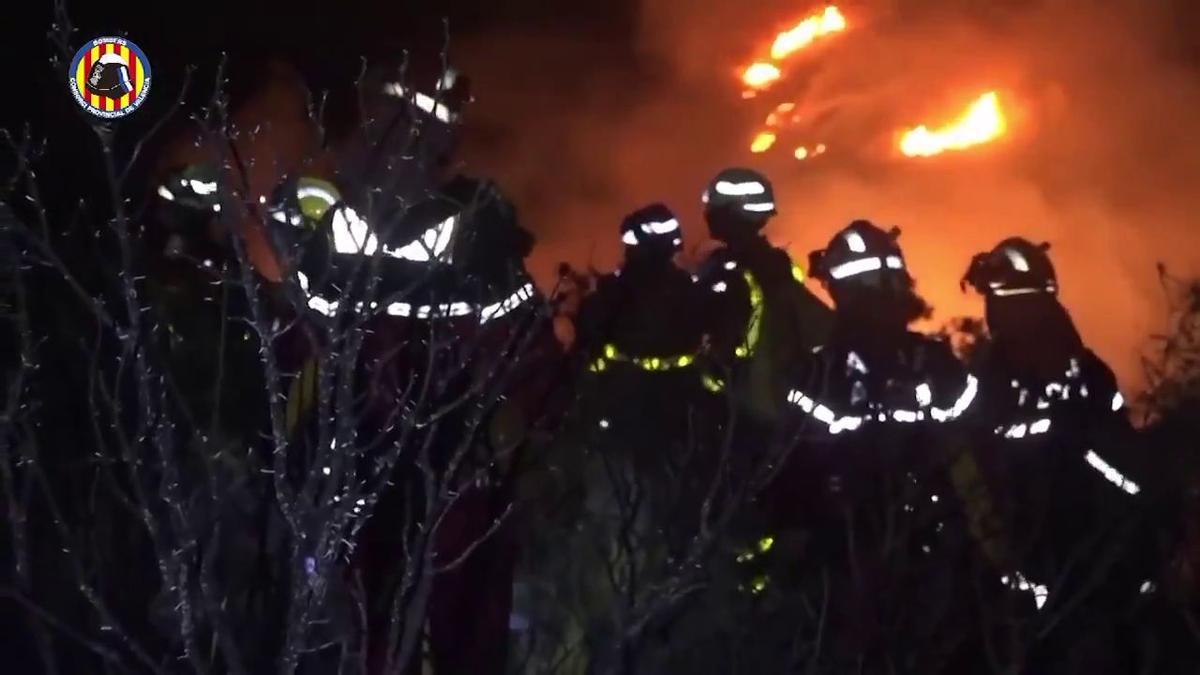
(804, 33)
(983, 122)
(762, 73)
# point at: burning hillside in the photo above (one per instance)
(982, 122)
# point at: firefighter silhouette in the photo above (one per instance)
(640, 423)
(623, 321)
(109, 76)
(641, 335)
(1074, 491)
(877, 413)
(762, 318)
(440, 255)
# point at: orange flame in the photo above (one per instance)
(762, 73)
(982, 122)
(804, 33)
(763, 142)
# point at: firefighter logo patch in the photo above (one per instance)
(110, 77)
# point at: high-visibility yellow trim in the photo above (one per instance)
(759, 584)
(650, 363)
(754, 325)
(798, 273)
(763, 546)
(712, 384)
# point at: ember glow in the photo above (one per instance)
(982, 122)
(763, 73)
(804, 152)
(762, 142)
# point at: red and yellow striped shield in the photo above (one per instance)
(110, 77)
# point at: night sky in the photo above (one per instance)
(324, 40)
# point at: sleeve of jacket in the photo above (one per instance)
(812, 319)
(723, 299)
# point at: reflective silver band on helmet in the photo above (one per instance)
(759, 207)
(664, 227)
(200, 187)
(653, 228)
(423, 101)
(997, 289)
(316, 191)
(750, 187)
(864, 265)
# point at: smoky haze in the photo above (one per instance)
(1102, 156)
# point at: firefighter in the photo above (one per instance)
(192, 274)
(423, 255)
(763, 319)
(1063, 460)
(873, 481)
(632, 455)
(641, 333)
(622, 321)
(187, 207)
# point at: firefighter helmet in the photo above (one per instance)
(193, 187)
(426, 87)
(302, 201)
(109, 76)
(743, 190)
(1016, 266)
(654, 225)
(860, 253)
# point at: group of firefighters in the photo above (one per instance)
(904, 470)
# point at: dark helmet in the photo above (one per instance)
(110, 76)
(194, 187)
(188, 201)
(653, 229)
(429, 90)
(410, 115)
(738, 201)
(860, 254)
(1015, 266)
(864, 270)
(302, 201)
(419, 88)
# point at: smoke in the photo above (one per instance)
(1101, 158)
